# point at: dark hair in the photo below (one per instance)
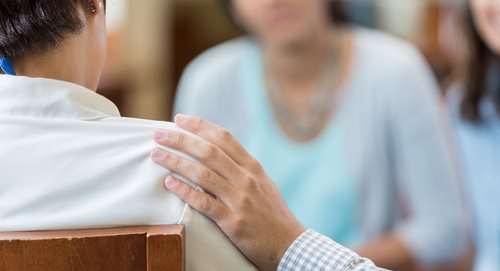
(29, 27)
(337, 10)
(479, 60)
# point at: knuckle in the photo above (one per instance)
(252, 164)
(256, 166)
(196, 123)
(248, 179)
(210, 152)
(180, 139)
(250, 184)
(200, 123)
(205, 174)
(224, 135)
(207, 204)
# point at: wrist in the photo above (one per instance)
(289, 236)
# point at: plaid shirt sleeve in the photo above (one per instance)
(312, 251)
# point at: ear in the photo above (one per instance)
(94, 6)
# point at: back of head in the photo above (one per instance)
(29, 27)
(58, 39)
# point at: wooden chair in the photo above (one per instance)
(151, 248)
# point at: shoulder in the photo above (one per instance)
(392, 75)
(390, 62)
(385, 50)
(396, 68)
(136, 125)
(131, 136)
(211, 85)
(222, 60)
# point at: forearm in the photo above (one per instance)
(389, 252)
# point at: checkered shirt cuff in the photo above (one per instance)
(312, 251)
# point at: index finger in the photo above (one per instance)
(216, 135)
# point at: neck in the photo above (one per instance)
(63, 63)
(301, 62)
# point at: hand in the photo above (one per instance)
(246, 205)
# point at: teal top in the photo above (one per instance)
(314, 177)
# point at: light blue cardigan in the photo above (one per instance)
(480, 148)
(397, 143)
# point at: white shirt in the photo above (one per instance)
(69, 161)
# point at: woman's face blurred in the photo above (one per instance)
(282, 22)
(487, 20)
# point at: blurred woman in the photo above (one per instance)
(475, 103)
(347, 122)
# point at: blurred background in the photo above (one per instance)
(150, 45)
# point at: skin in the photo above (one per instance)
(486, 15)
(83, 54)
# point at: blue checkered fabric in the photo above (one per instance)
(315, 252)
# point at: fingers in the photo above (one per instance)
(217, 135)
(200, 201)
(202, 176)
(200, 149)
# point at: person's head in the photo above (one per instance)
(482, 19)
(37, 31)
(284, 22)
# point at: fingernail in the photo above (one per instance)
(160, 135)
(171, 182)
(180, 118)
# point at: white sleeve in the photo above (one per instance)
(94, 174)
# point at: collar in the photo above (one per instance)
(39, 97)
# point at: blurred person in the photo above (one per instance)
(68, 160)
(474, 98)
(344, 119)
